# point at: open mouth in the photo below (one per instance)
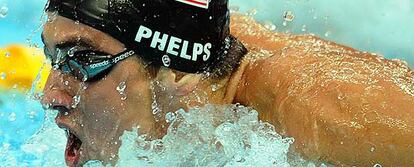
(72, 152)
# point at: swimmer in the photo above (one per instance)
(114, 59)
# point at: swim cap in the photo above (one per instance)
(186, 35)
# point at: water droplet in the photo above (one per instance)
(7, 54)
(46, 105)
(284, 23)
(215, 87)
(121, 87)
(155, 109)
(304, 28)
(166, 60)
(31, 114)
(328, 33)
(251, 12)
(12, 117)
(170, 117)
(123, 97)
(239, 158)
(66, 83)
(3, 75)
(55, 67)
(71, 51)
(270, 26)
(76, 101)
(377, 165)
(288, 16)
(234, 8)
(4, 11)
(85, 78)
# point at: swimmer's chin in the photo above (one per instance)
(87, 157)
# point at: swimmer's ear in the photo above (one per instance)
(181, 83)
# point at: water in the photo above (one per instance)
(236, 138)
(3, 11)
(384, 30)
(210, 136)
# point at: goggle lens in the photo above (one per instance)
(86, 65)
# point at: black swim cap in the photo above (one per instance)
(186, 35)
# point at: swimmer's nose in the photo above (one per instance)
(54, 94)
(56, 98)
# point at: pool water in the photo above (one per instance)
(26, 130)
(210, 136)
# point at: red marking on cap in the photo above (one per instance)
(198, 3)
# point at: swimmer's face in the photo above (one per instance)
(96, 113)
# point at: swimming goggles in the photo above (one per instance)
(86, 65)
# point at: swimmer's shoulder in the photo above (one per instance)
(263, 43)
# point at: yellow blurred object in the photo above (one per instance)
(23, 68)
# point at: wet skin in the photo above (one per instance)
(101, 116)
(341, 106)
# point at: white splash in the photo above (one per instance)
(210, 136)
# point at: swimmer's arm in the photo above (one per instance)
(341, 105)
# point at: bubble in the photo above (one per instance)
(288, 16)
(4, 11)
(12, 117)
(208, 136)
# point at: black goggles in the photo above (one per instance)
(86, 65)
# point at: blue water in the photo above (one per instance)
(377, 26)
(20, 118)
(382, 27)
